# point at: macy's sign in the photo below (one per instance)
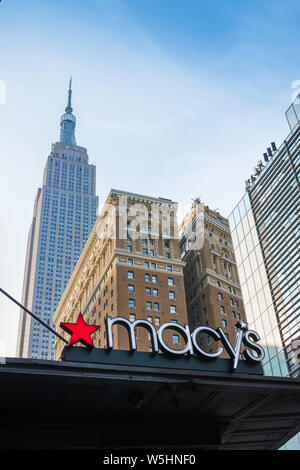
(244, 337)
(252, 351)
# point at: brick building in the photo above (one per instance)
(130, 267)
(212, 287)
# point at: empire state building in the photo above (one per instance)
(65, 211)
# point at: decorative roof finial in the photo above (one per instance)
(68, 121)
(69, 108)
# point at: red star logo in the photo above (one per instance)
(80, 331)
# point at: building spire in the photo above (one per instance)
(68, 121)
(69, 108)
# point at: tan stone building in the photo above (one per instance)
(130, 267)
(212, 287)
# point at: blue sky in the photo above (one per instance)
(173, 98)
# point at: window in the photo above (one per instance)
(130, 261)
(149, 305)
(131, 303)
(147, 277)
(155, 292)
(233, 314)
(220, 296)
(238, 316)
(154, 279)
(153, 265)
(146, 264)
(169, 269)
(151, 252)
(156, 306)
(157, 321)
(132, 317)
(167, 255)
(224, 323)
(130, 275)
(175, 339)
(173, 308)
(128, 248)
(145, 252)
(148, 291)
(131, 289)
(218, 283)
(236, 303)
(167, 245)
(222, 308)
(149, 319)
(231, 301)
(171, 295)
(171, 281)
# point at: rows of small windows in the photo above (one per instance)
(230, 289)
(150, 292)
(132, 318)
(61, 176)
(232, 302)
(151, 278)
(149, 265)
(149, 249)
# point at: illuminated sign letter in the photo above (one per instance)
(130, 326)
(211, 332)
(184, 331)
(252, 345)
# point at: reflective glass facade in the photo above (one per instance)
(266, 237)
(293, 114)
(265, 228)
(260, 311)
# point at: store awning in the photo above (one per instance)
(118, 404)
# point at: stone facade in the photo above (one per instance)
(130, 267)
(212, 287)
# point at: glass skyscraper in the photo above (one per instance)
(65, 211)
(266, 237)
